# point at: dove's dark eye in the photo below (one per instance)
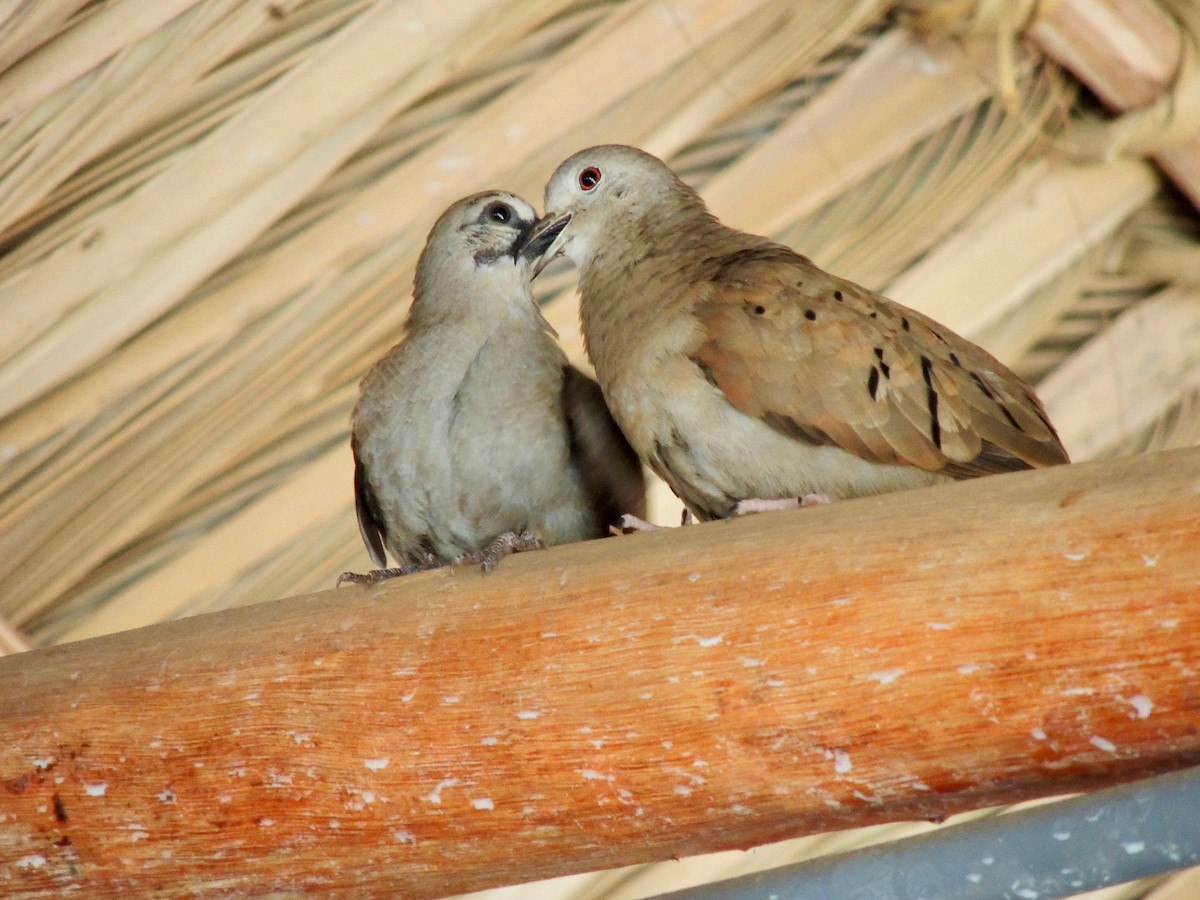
(499, 212)
(589, 178)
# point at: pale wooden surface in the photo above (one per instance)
(628, 700)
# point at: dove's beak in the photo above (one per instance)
(542, 245)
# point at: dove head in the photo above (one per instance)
(482, 230)
(604, 192)
(477, 247)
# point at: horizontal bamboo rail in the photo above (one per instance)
(716, 686)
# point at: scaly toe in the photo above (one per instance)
(375, 576)
(507, 543)
(630, 524)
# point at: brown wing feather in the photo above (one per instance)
(369, 525)
(610, 468)
(825, 360)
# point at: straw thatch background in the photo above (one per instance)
(210, 211)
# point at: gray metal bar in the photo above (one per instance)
(1054, 850)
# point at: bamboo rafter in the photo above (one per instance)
(1140, 57)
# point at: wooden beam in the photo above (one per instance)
(622, 701)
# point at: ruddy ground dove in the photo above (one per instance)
(474, 437)
(747, 377)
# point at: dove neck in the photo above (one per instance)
(473, 300)
(471, 331)
(641, 242)
(638, 279)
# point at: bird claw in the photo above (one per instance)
(631, 524)
(756, 505)
(377, 575)
(506, 544)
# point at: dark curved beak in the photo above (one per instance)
(541, 238)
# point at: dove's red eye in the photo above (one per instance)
(589, 178)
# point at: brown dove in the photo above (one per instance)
(474, 437)
(747, 377)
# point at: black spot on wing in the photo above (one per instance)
(982, 385)
(987, 392)
(883, 367)
(1011, 420)
(931, 399)
(873, 382)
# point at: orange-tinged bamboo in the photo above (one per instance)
(717, 686)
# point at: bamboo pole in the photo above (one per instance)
(719, 686)
(1131, 52)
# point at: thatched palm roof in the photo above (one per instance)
(210, 211)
